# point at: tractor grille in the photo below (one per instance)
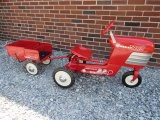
(138, 58)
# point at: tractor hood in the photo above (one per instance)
(135, 44)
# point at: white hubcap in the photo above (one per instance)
(128, 80)
(63, 78)
(31, 68)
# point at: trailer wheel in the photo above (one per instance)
(46, 62)
(63, 77)
(128, 76)
(32, 68)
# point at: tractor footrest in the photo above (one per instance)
(43, 54)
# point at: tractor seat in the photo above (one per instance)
(82, 52)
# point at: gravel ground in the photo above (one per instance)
(23, 96)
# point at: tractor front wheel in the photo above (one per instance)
(127, 80)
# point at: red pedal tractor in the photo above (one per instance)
(127, 51)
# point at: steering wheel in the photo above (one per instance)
(107, 28)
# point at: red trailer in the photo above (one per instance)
(31, 51)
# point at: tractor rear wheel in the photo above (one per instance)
(63, 77)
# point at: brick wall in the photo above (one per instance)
(69, 22)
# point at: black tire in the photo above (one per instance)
(47, 62)
(63, 77)
(32, 68)
(128, 76)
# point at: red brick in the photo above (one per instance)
(45, 19)
(144, 8)
(16, 3)
(124, 18)
(151, 14)
(25, 3)
(33, 3)
(140, 29)
(154, 30)
(109, 7)
(153, 2)
(149, 24)
(48, 15)
(48, 7)
(158, 60)
(69, 32)
(53, 3)
(94, 17)
(89, 2)
(70, 41)
(59, 31)
(157, 50)
(70, 25)
(76, 12)
(140, 34)
(117, 23)
(153, 64)
(64, 2)
(59, 16)
(43, 3)
(154, 19)
(65, 11)
(29, 7)
(53, 11)
(59, 7)
(81, 42)
(156, 55)
(140, 19)
(105, 44)
(100, 40)
(38, 7)
(70, 7)
(108, 17)
(156, 8)
(39, 22)
(82, 16)
(123, 28)
(126, 8)
(136, 2)
(119, 2)
(43, 11)
(83, 7)
(88, 21)
(76, 2)
(134, 13)
(81, 34)
(95, 7)
(71, 16)
(156, 36)
(31, 15)
(20, 11)
(82, 25)
(118, 13)
(75, 37)
(93, 43)
(102, 12)
(65, 20)
(65, 43)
